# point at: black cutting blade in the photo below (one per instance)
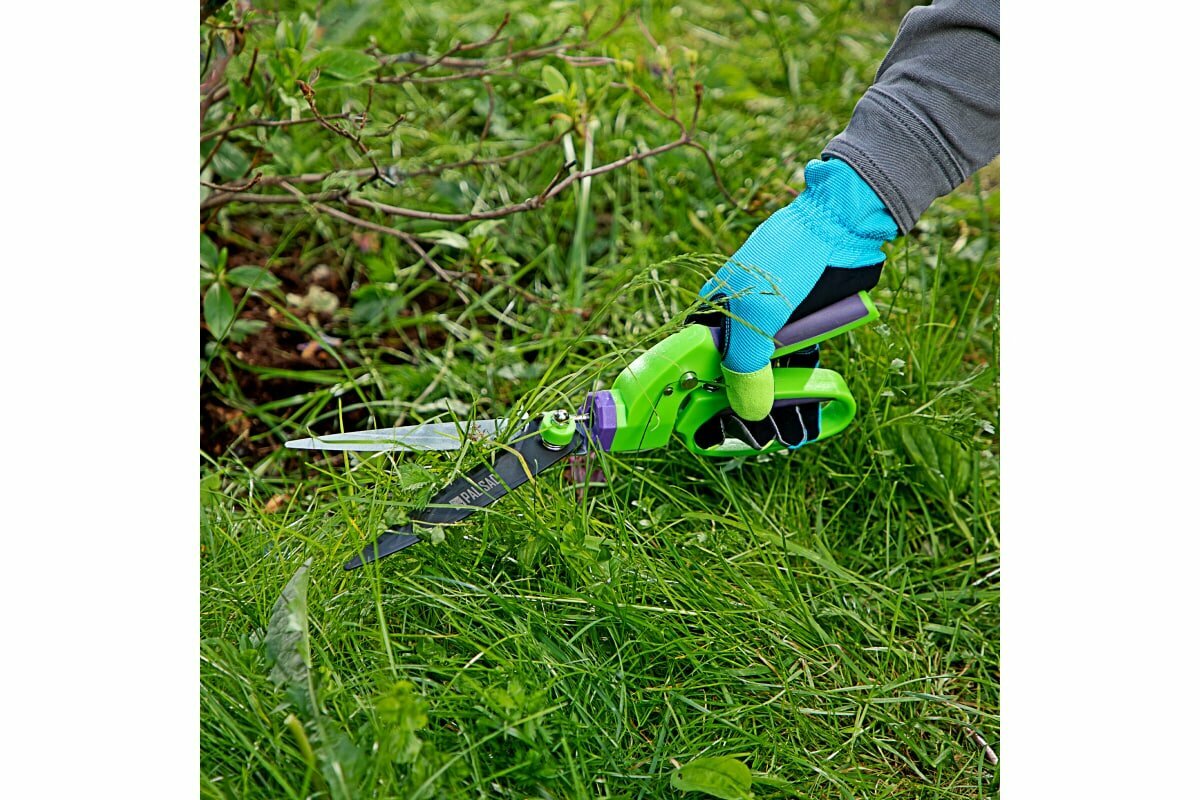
(391, 541)
(525, 458)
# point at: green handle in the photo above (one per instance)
(678, 385)
(822, 385)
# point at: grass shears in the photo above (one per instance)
(672, 392)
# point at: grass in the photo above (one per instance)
(830, 619)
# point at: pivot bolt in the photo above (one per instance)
(689, 381)
(557, 429)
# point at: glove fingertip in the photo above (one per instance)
(751, 394)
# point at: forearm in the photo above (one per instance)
(932, 117)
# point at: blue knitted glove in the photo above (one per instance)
(837, 221)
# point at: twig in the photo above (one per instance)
(491, 65)
(712, 167)
(492, 279)
(646, 31)
(270, 123)
(548, 47)
(208, 51)
(226, 188)
(537, 201)
(487, 122)
(563, 167)
(403, 236)
(671, 83)
(442, 61)
(461, 76)
(216, 97)
(458, 48)
(435, 169)
(531, 203)
(279, 199)
(310, 97)
(212, 89)
(249, 76)
(645, 98)
(366, 112)
(686, 131)
(589, 61)
(698, 94)
(309, 177)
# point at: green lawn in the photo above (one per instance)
(830, 619)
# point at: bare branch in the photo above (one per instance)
(270, 123)
(226, 188)
(645, 98)
(277, 199)
(495, 65)
(537, 201)
(487, 122)
(404, 236)
(646, 31)
(458, 48)
(461, 76)
(340, 201)
(356, 139)
(712, 167)
(533, 202)
(213, 88)
(434, 169)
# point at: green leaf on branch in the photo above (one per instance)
(554, 80)
(345, 65)
(230, 162)
(252, 278)
(218, 310)
(447, 238)
(208, 252)
(720, 776)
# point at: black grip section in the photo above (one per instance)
(835, 283)
(791, 422)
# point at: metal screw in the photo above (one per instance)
(561, 416)
(688, 381)
(711, 387)
(668, 390)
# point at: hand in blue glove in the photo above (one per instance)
(837, 221)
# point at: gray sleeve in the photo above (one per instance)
(932, 117)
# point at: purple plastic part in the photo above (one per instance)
(829, 318)
(602, 412)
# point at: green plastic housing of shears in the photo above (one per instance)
(677, 386)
